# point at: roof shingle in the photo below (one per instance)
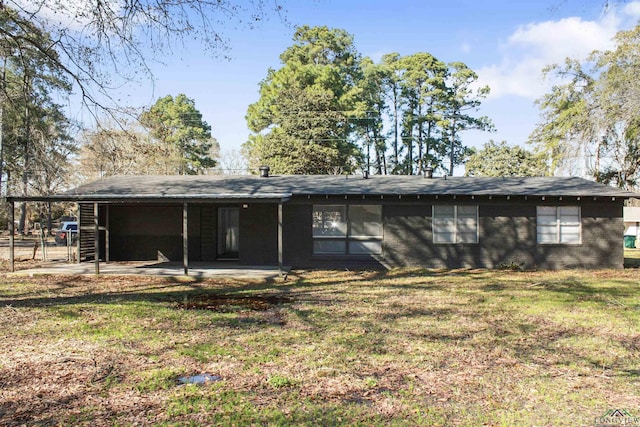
(346, 185)
(285, 186)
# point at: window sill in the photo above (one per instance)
(457, 244)
(559, 244)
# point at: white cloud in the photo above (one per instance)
(555, 40)
(465, 48)
(536, 45)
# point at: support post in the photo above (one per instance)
(78, 239)
(185, 239)
(96, 240)
(11, 238)
(280, 238)
(106, 235)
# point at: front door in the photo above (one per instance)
(228, 233)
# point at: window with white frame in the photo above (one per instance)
(347, 230)
(559, 224)
(455, 224)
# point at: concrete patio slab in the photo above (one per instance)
(150, 268)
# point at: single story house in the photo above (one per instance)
(336, 221)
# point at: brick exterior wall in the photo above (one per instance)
(259, 234)
(138, 232)
(507, 234)
(297, 241)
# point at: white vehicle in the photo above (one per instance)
(67, 233)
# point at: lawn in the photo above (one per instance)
(403, 347)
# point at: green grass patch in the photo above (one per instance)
(279, 381)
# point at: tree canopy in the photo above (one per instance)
(50, 47)
(170, 137)
(591, 122)
(328, 110)
(34, 132)
(176, 126)
(119, 149)
(501, 159)
(301, 121)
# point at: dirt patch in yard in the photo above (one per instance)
(231, 303)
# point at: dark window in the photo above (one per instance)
(342, 230)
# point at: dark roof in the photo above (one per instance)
(283, 187)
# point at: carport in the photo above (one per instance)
(94, 206)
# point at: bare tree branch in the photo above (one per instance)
(102, 45)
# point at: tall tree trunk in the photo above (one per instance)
(596, 165)
(430, 125)
(368, 151)
(3, 81)
(395, 129)
(452, 147)
(410, 152)
(379, 152)
(381, 145)
(25, 181)
(26, 154)
(420, 141)
(1, 142)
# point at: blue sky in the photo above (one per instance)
(506, 42)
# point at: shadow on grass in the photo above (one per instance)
(574, 288)
(632, 258)
(310, 286)
(632, 262)
(164, 290)
(577, 289)
(632, 373)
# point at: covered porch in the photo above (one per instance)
(156, 234)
